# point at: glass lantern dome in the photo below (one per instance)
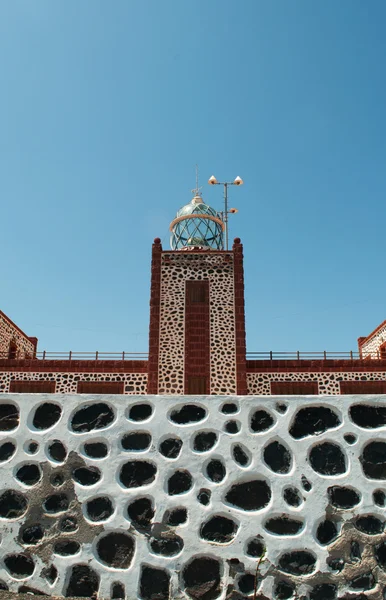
(197, 225)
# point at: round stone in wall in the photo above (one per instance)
(202, 578)
(13, 504)
(297, 562)
(189, 413)
(116, 550)
(249, 495)
(9, 417)
(19, 566)
(92, 417)
(373, 460)
(7, 450)
(328, 458)
(219, 529)
(136, 473)
(46, 415)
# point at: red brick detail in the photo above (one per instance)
(17, 328)
(155, 306)
(100, 387)
(32, 387)
(315, 366)
(74, 366)
(294, 388)
(363, 387)
(363, 340)
(34, 341)
(241, 377)
(197, 337)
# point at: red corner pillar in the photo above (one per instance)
(155, 304)
(241, 374)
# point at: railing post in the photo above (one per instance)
(123, 355)
(44, 355)
(70, 355)
(325, 355)
(96, 355)
(270, 354)
(351, 355)
(298, 355)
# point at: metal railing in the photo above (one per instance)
(268, 355)
(81, 356)
(323, 355)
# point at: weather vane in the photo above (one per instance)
(197, 189)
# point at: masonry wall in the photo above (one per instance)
(202, 498)
(176, 269)
(260, 382)
(327, 382)
(371, 347)
(9, 332)
(72, 376)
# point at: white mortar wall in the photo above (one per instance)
(313, 509)
(371, 347)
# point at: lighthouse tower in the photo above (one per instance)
(197, 320)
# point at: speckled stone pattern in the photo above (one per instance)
(176, 269)
(328, 383)
(371, 347)
(9, 333)
(193, 497)
(66, 383)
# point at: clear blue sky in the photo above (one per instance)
(105, 109)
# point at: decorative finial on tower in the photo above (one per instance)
(197, 190)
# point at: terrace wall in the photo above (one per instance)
(193, 497)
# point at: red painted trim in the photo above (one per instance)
(315, 366)
(34, 341)
(363, 387)
(155, 306)
(32, 387)
(239, 304)
(294, 388)
(74, 366)
(17, 328)
(100, 387)
(197, 335)
(363, 340)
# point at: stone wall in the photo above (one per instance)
(208, 497)
(371, 347)
(328, 382)
(176, 269)
(10, 333)
(66, 383)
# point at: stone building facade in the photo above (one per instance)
(198, 472)
(196, 336)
